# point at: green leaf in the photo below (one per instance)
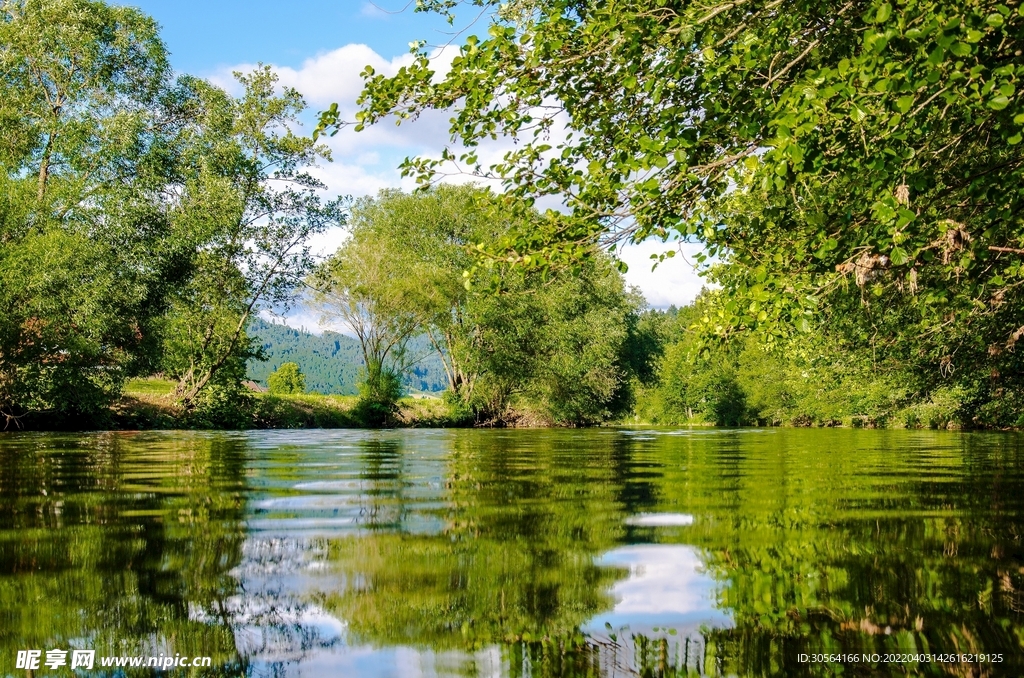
(960, 49)
(999, 103)
(898, 256)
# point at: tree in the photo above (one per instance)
(86, 249)
(568, 348)
(250, 207)
(546, 348)
(142, 221)
(287, 379)
(424, 239)
(863, 156)
(371, 291)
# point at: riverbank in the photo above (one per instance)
(150, 404)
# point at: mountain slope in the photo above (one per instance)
(332, 362)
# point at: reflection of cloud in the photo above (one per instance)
(666, 586)
(660, 520)
(661, 579)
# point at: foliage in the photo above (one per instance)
(376, 295)
(425, 238)
(857, 165)
(379, 392)
(222, 405)
(538, 349)
(85, 248)
(287, 379)
(250, 206)
(142, 220)
(812, 379)
(564, 348)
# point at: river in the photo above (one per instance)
(604, 552)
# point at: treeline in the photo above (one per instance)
(822, 377)
(145, 218)
(864, 207)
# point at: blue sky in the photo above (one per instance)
(320, 48)
(204, 35)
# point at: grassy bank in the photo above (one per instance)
(150, 404)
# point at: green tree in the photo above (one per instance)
(426, 237)
(863, 157)
(287, 379)
(86, 249)
(372, 292)
(542, 348)
(249, 206)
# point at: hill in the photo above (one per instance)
(332, 361)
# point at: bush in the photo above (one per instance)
(287, 380)
(222, 406)
(378, 397)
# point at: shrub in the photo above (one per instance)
(378, 396)
(222, 406)
(287, 380)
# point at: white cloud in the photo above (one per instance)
(328, 77)
(675, 281)
(366, 162)
(372, 11)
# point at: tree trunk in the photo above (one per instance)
(44, 168)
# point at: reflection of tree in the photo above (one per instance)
(112, 542)
(857, 550)
(383, 483)
(487, 548)
(522, 520)
(845, 551)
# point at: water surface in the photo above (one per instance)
(516, 553)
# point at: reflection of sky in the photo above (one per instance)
(334, 490)
(666, 586)
(283, 634)
(400, 662)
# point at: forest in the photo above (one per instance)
(331, 361)
(853, 174)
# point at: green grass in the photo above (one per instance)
(336, 411)
(151, 386)
(150, 404)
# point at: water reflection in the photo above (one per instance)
(107, 543)
(515, 553)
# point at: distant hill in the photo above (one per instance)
(332, 361)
